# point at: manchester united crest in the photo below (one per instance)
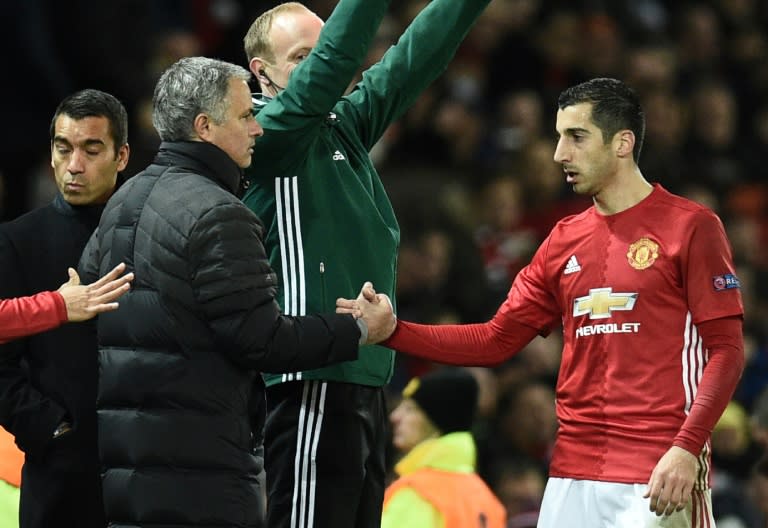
(643, 253)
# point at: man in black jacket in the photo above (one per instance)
(48, 381)
(181, 402)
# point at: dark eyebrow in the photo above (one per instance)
(576, 130)
(88, 142)
(95, 142)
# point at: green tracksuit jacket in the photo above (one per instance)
(330, 224)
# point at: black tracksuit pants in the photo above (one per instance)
(324, 455)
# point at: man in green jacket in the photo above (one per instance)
(329, 227)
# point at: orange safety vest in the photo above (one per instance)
(463, 499)
(11, 459)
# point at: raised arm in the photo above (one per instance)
(320, 80)
(421, 54)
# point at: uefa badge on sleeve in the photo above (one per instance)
(725, 282)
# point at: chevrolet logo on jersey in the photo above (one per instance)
(601, 302)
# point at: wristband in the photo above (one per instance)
(363, 326)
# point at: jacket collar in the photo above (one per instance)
(454, 452)
(202, 158)
(259, 101)
(91, 212)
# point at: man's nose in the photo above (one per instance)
(76, 163)
(560, 152)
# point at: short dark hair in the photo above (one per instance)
(95, 103)
(615, 106)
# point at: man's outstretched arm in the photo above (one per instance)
(480, 344)
(22, 316)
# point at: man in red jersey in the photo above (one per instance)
(643, 283)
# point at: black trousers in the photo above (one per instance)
(64, 499)
(324, 455)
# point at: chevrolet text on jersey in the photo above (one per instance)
(599, 304)
(609, 328)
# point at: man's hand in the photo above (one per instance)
(86, 301)
(672, 481)
(375, 309)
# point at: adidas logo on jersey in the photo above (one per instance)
(338, 156)
(572, 266)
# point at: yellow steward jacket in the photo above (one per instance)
(438, 488)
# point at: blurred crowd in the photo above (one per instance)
(470, 172)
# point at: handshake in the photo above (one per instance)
(375, 309)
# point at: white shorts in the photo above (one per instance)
(593, 504)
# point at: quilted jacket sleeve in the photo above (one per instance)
(235, 287)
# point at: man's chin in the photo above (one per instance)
(581, 188)
(75, 198)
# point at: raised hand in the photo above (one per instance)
(84, 301)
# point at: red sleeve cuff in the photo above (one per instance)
(61, 306)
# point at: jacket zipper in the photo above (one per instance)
(322, 284)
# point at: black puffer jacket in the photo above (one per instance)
(180, 407)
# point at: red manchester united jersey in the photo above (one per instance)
(630, 289)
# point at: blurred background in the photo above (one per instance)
(469, 169)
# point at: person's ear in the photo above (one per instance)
(123, 153)
(257, 66)
(202, 125)
(625, 143)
